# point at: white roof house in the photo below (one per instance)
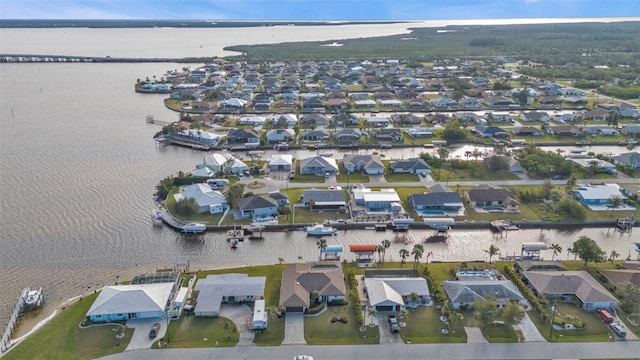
(388, 294)
(144, 300)
(216, 289)
(206, 198)
(280, 160)
(223, 162)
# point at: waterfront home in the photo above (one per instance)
(208, 200)
(391, 103)
(314, 120)
(223, 163)
(630, 129)
(388, 135)
(338, 104)
(364, 104)
(300, 281)
(539, 116)
(564, 130)
(196, 136)
(388, 293)
(589, 163)
(631, 159)
(284, 120)
(258, 207)
(615, 277)
(384, 201)
(411, 166)
(469, 103)
(347, 135)
(527, 131)
(438, 119)
(345, 119)
(233, 104)
(316, 135)
(406, 119)
(243, 136)
(313, 104)
(437, 203)
(514, 165)
(327, 199)
(498, 101)
(214, 290)
(598, 197)
(491, 132)
(358, 96)
(280, 135)
(492, 198)
(366, 164)
(462, 293)
(124, 302)
(375, 121)
(569, 286)
(444, 102)
(252, 120)
(596, 115)
(318, 165)
(280, 162)
(419, 133)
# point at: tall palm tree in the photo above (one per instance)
(322, 244)
(417, 252)
(404, 254)
(557, 249)
(379, 250)
(613, 256)
(385, 245)
(615, 203)
(476, 153)
(492, 251)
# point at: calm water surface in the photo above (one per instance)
(78, 168)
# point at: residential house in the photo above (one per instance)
(280, 162)
(571, 286)
(243, 136)
(631, 159)
(615, 277)
(406, 119)
(347, 135)
(314, 120)
(252, 120)
(469, 103)
(438, 119)
(550, 101)
(492, 196)
(338, 103)
(387, 293)
(196, 136)
(280, 135)
(388, 135)
(316, 135)
(391, 103)
(327, 199)
(124, 302)
(587, 162)
(527, 131)
(462, 293)
(374, 121)
(598, 194)
(597, 115)
(419, 133)
(439, 201)
(514, 165)
(258, 207)
(208, 200)
(564, 130)
(364, 104)
(299, 281)
(214, 290)
(382, 201)
(312, 104)
(284, 120)
(233, 104)
(444, 103)
(491, 132)
(630, 129)
(534, 116)
(318, 165)
(366, 164)
(411, 166)
(359, 96)
(223, 163)
(345, 119)
(498, 102)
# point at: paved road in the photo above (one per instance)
(617, 349)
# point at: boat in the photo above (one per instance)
(320, 230)
(32, 297)
(325, 154)
(255, 227)
(637, 247)
(194, 227)
(156, 215)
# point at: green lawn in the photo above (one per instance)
(61, 338)
(481, 173)
(404, 192)
(353, 178)
(306, 178)
(493, 333)
(424, 326)
(200, 332)
(399, 177)
(594, 330)
(526, 213)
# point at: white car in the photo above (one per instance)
(302, 357)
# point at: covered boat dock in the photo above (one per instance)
(364, 253)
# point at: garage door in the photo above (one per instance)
(385, 308)
(295, 309)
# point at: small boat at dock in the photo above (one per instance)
(320, 230)
(194, 228)
(156, 215)
(33, 297)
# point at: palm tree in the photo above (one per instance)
(280, 260)
(322, 244)
(404, 254)
(613, 256)
(571, 182)
(417, 252)
(557, 249)
(372, 313)
(403, 313)
(414, 297)
(379, 250)
(493, 250)
(476, 153)
(615, 203)
(594, 166)
(468, 154)
(385, 245)
(547, 206)
(300, 258)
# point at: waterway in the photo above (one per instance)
(78, 167)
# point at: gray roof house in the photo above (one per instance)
(300, 280)
(448, 203)
(280, 135)
(316, 135)
(208, 200)
(280, 162)
(318, 165)
(323, 198)
(258, 207)
(491, 195)
(572, 285)
(240, 136)
(412, 166)
(388, 134)
(463, 293)
(631, 159)
(123, 302)
(390, 293)
(347, 135)
(226, 288)
(367, 164)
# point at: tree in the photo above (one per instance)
(523, 96)
(492, 251)
(280, 260)
(443, 153)
(615, 203)
(379, 250)
(512, 313)
(404, 254)
(613, 256)
(557, 249)
(571, 209)
(414, 297)
(455, 320)
(594, 166)
(496, 163)
(629, 294)
(234, 194)
(587, 250)
(385, 245)
(417, 252)
(373, 313)
(453, 133)
(186, 207)
(485, 310)
(322, 244)
(571, 182)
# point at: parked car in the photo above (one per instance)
(302, 357)
(155, 328)
(393, 323)
(604, 314)
(247, 173)
(327, 175)
(424, 174)
(619, 330)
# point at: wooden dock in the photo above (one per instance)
(151, 120)
(503, 225)
(20, 307)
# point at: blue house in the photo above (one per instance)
(261, 206)
(598, 194)
(124, 302)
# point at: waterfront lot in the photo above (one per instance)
(193, 332)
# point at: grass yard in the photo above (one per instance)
(306, 178)
(594, 329)
(397, 177)
(424, 327)
(61, 338)
(480, 173)
(306, 216)
(353, 178)
(202, 217)
(318, 330)
(526, 213)
(200, 332)
(493, 333)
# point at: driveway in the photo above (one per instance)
(474, 335)
(140, 338)
(386, 336)
(240, 314)
(294, 329)
(529, 330)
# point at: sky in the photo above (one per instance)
(315, 9)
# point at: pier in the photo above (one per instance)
(503, 225)
(151, 120)
(625, 224)
(20, 307)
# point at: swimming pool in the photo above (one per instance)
(493, 209)
(433, 212)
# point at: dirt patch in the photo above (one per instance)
(185, 323)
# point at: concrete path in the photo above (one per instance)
(294, 329)
(474, 335)
(240, 315)
(529, 330)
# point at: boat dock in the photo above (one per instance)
(625, 224)
(20, 307)
(189, 227)
(151, 120)
(503, 225)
